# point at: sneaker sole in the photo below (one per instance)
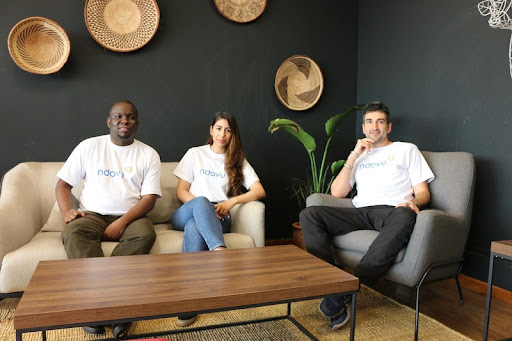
(94, 330)
(186, 323)
(339, 326)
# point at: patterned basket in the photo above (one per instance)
(241, 11)
(299, 83)
(39, 45)
(122, 25)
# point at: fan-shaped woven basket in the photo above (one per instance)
(39, 45)
(122, 25)
(299, 83)
(241, 11)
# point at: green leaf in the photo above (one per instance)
(316, 181)
(336, 167)
(334, 122)
(294, 129)
(279, 122)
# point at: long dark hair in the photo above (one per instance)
(235, 154)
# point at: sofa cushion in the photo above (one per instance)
(55, 223)
(164, 206)
(19, 265)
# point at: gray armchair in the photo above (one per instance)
(436, 248)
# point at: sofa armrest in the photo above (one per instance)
(249, 219)
(19, 208)
(321, 199)
(437, 237)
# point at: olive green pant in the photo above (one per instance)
(82, 237)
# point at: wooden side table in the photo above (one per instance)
(503, 250)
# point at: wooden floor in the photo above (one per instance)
(440, 300)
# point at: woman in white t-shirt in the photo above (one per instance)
(211, 180)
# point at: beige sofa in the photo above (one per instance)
(30, 222)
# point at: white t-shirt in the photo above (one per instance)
(204, 170)
(386, 175)
(115, 177)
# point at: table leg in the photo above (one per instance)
(489, 294)
(353, 319)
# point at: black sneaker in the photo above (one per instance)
(120, 329)
(94, 329)
(186, 320)
(332, 306)
(340, 320)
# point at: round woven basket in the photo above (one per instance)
(39, 45)
(241, 11)
(122, 25)
(299, 83)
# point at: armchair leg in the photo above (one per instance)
(417, 321)
(418, 288)
(461, 298)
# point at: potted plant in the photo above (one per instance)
(317, 181)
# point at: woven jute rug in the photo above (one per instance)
(378, 318)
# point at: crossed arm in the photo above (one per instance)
(256, 192)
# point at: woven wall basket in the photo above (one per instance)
(122, 25)
(241, 11)
(38, 45)
(299, 83)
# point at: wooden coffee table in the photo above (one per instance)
(93, 291)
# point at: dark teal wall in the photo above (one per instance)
(437, 64)
(197, 63)
(445, 75)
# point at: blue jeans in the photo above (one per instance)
(203, 229)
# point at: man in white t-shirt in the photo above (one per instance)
(392, 186)
(121, 184)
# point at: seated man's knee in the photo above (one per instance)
(144, 229)
(406, 214)
(151, 237)
(146, 242)
(305, 213)
(71, 231)
(309, 214)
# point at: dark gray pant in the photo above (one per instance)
(320, 223)
(82, 237)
